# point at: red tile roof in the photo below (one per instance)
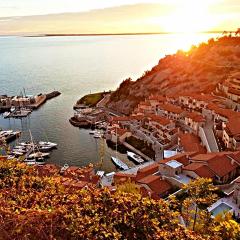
(222, 165)
(159, 98)
(161, 120)
(181, 157)
(200, 169)
(191, 143)
(171, 108)
(227, 113)
(234, 91)
(219, 163)
(123, 177)
(233, 126)
(151, 169)
(235, 156)
(195, 117)
(156, 184)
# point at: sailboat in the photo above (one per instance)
(36, 157)
(117, 161)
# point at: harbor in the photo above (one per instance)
(21, 106)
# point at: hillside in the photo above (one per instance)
(198, 70)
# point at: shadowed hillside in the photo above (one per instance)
(198, 70)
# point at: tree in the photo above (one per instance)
(201, 194)
(227, 227)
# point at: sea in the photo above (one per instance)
(76, 66)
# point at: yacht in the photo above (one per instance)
(134, 157)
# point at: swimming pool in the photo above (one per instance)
(222, 207)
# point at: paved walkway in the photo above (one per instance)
(208, 130)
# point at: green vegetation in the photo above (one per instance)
(142, 146)
(91, 99)
(42, 208)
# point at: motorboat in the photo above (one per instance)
(64, 168)
(119, 163)
(47, 144)
(6, 114)
(38, 155)
(97, 135)
(134, 157)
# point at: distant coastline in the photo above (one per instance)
(116, 34)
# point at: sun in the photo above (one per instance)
(190, 17)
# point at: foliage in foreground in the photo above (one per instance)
(42, 208)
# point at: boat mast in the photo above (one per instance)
(32, 140)
(116, 141)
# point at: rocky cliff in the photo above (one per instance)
(198, 70)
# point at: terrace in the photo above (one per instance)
(223, 206)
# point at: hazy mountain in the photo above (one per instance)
(123, 19)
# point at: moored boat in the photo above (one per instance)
(135, 158)
(119, 163)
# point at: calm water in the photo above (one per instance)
(76, 66)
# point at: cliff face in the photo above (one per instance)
(199, 70)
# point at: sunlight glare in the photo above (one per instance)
(190, 17)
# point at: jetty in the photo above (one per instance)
(22, 106)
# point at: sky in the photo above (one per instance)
(114, 16)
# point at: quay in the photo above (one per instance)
(23, 105)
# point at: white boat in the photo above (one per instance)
(12, 109)
(64, 168)
(97, 135)
(26, 144)
(137, 159)
(119, 163)
(47, 144)
(19, 150)
(6, 114)
(10, 157)
(17, 153)
(92, 132)
(44, 149)
(39, 155)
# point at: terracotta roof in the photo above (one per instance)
(208, 156)
(159, 98)
(222, 165)
(234, 91)
(156, 184)
(200, 169)
(227, 113)
(195, 117)
(235, 156)
(182, 158)
(123, 177)
(151, 169)
(146, 103)
(191, 143)
(171, 108)
(236, 75)
(120, 131)
(161, 120)
(120, 119)
(233, 126)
